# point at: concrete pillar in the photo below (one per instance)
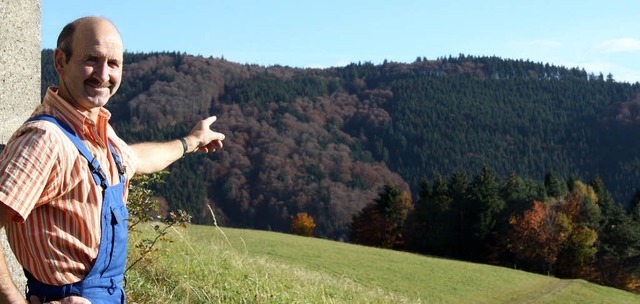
(19, 80)
(19, 63)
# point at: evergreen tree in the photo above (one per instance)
(618, 241)
(634, 205)
(485, 204)
(554, 186)
(416, 229)
(618, 247)
(518, 195)
(458, 187)
(440, 218)
(381, 223)
(395, 205)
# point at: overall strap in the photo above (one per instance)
(98, 174)
(118, 161)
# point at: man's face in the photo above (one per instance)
(94, 71)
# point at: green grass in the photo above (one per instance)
(208, 265)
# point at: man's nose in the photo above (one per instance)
(102, 71)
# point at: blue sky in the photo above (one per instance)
(597, 35)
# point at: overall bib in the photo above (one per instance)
(103, 283)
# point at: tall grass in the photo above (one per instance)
(245, 266)
(207, 270)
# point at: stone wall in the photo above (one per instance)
(20, 50)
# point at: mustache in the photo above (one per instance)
(96, 83)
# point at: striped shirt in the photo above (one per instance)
(55, 234)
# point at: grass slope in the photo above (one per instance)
(208, 265)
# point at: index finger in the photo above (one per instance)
(209, 120)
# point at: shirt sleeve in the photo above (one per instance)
(26, 165)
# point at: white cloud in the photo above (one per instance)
(622, 45)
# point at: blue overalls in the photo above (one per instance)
(103, 283)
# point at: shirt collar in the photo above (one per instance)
(69, 113)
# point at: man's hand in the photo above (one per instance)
(203, 138)
(154, 157)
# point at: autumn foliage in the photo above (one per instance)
(538, 235)
(560, 231)
(302, 224)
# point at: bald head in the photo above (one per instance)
(65, 39)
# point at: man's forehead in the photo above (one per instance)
(99, 50)
(100, 46)
(97, 32)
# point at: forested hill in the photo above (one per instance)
(323, 141)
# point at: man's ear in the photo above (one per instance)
(59, 60)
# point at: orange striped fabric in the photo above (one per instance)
(56, 232)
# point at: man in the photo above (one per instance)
(63, 176)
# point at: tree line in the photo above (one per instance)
(556, 227)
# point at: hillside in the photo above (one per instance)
(323, 141)
(208, 265)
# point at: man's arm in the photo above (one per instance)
(155, 156)
(9, 293)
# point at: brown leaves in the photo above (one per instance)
(539, 234)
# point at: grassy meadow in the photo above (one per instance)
(206, 264)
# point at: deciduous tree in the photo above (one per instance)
(538, 235)
(302, 224)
